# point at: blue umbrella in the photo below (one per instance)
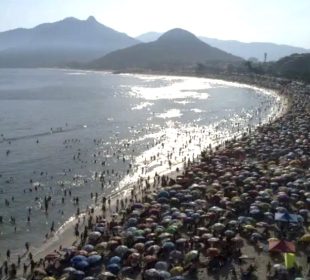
(132, 222)
(165, 275)
(163, 194)
(161, 265)
(149, 243)
(114, 268)
(78, 258)
(139, 239)
(88, 248)
(162, 200)
(94, 259)
(115, 259)
(82, 265)
(121, 250)
(169, 246)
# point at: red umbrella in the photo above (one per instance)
(281, 246)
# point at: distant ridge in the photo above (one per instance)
(58, 43)
(296, 66)
(174, 50)
(244, 50)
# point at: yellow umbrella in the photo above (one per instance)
(305, 238)
(177, 270)
(249, 227)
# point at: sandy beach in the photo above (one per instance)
(224, 184)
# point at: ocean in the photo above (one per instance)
(61, 129)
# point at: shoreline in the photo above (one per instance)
(62, 238)
(64, 235)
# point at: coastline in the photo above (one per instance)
(64, 236)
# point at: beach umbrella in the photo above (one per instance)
(177, 270)
(139, 239)
(69, 269)
(206, 236)
(213, 240)
(88, 247)
(94, 235)
(101, 246)
(165, 235)
(112, 244)
(149, 243)
(163, 194)
(115, 259)
(229, 233)
(191, 255)
(121, 250)
(154, 249)
(78, 258)
(305, 237)
(238, 242)
(218, 226)
(81, 265)
(176, 255)
(78, 275)
(180, 241)
(151, 274)
(106, 275)
(161, 265)
(83, 253)
(94, 259)
(162, 200)
(168, 246)
(114, 268)
(139, 247)
(165, 275)
(150, 259)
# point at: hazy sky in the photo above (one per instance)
(278, 21)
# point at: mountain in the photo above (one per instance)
(176, 49)
(56, 44)
(255, 49)
(244, 50)
(296, 66)
(149, 37)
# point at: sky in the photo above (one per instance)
(277, 21)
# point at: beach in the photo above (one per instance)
(212, 209)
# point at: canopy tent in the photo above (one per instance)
(281, 246)
(286, 217)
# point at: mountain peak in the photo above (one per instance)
(177, 34)
(91, 19)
